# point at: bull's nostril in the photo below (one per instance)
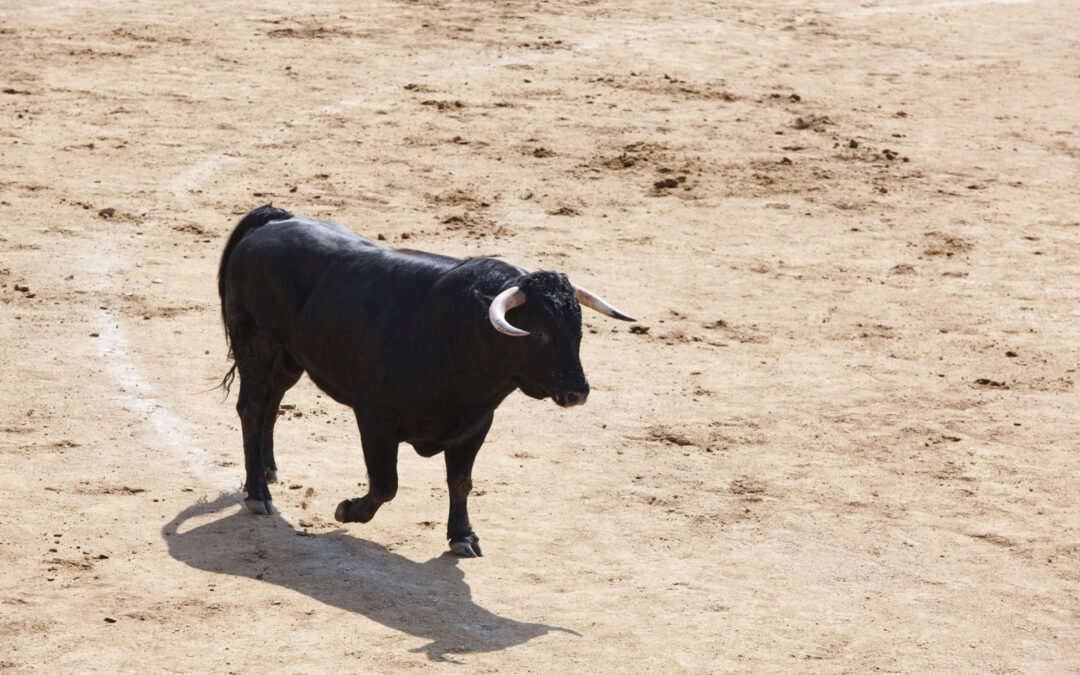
(576, 398)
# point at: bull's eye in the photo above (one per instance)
(542, 336)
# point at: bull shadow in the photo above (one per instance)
(429, 600)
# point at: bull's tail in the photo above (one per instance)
(253, 219)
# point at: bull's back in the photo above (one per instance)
(334, 299)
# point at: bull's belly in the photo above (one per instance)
(427, 449)
(330, 389)
(435, 436)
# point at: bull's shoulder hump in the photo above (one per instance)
(484, 266)
(413, 256)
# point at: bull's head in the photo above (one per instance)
(546, 317)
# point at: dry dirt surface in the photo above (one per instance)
(841, 438)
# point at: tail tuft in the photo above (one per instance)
(226, 382)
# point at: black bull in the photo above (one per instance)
(422, 347)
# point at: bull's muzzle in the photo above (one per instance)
(569, 399)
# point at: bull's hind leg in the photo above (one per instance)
(286, 373)
(266, 372)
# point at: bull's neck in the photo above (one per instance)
(471, 354)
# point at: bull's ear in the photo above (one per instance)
(483, 298)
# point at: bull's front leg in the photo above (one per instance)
(459, 463)
(380, 455)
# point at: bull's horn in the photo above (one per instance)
(503, 303)
(593, 302)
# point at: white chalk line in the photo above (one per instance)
(137, 396)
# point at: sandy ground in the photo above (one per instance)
(844, 438)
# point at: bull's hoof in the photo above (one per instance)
(271, 475)
(260, 507)
(359, 510)
(467, 548)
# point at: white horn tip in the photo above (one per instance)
(600, 305)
